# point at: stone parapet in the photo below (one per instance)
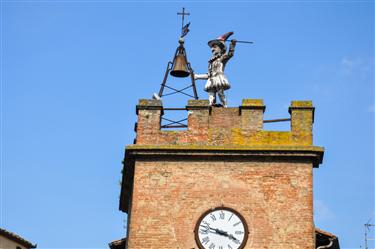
(241, 126)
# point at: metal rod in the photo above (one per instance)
(250, 42)
(177, 91)
(367, 227)
(173, 126)
(174, 109)
(179, 121)
(183, 17)
(165, 79)
(182, 89)
(193, 81)
(276, 120)
(172, 123)
(169, 68)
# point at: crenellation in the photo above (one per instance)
(207, 125)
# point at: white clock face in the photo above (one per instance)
(221, 228)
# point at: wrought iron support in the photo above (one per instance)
(180, 50)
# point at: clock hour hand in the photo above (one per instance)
(226, 234)
(221, 232)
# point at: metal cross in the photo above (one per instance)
(183, 14)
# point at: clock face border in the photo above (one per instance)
(196, 229)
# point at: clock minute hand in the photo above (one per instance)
(232, 237)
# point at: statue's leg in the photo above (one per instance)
(212, 97)
(222, 97)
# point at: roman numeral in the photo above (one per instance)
(237, 223)
(213, 217)
(229, 247)
(212, 246)
(230, 217)
(205, 240)
(222, 215)
(238, 232)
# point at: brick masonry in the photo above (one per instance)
(223, 158)
(224, 126)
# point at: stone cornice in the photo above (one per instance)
(314, 152)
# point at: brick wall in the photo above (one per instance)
(274, 197)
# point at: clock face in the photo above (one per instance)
(221, 228)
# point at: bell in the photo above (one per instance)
(180, 67)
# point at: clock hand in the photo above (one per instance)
(209, 228)
(221, 232)
(226, 234)
(232, 237)
(218, 231)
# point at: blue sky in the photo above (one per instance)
(73, 71)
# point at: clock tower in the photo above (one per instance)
(224, 182)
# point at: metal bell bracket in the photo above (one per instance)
(178, 70)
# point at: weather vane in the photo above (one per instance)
(184, 28)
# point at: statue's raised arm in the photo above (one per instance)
(230, 53)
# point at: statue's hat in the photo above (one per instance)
(220, 41)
